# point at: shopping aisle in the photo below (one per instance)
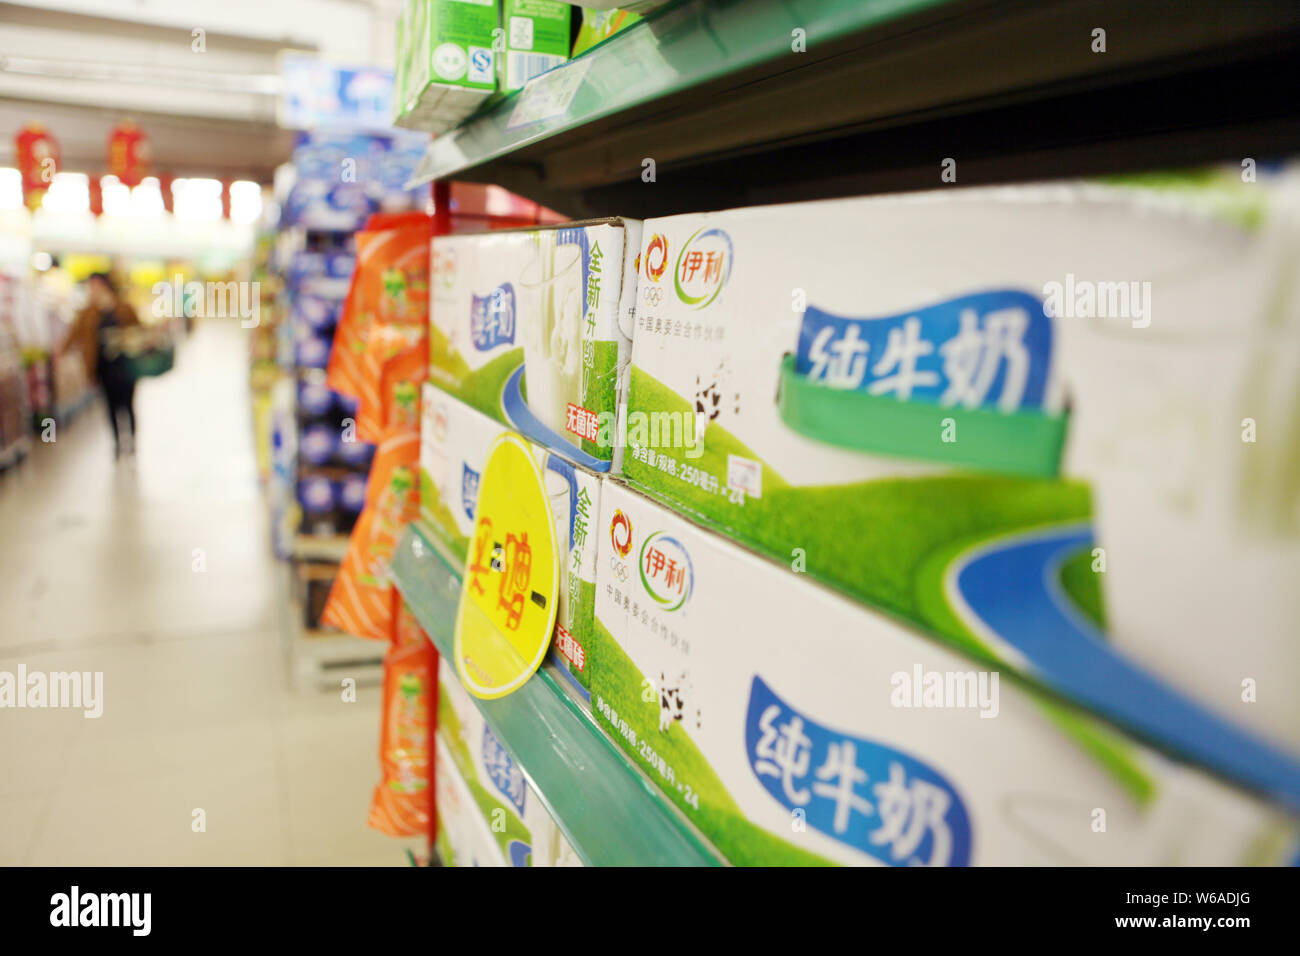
(156, 571)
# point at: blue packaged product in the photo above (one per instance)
(352, 494)
(313, 351)
(353, 453)
(316, 495)
(347, 404)
(339, 265)
(314, 399)
(316, 313)
(318, 444)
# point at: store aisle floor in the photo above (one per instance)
(156, 571)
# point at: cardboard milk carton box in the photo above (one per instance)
(793, 726)
(525, 327)
(923, 400)
(488, 814)
(599, 25)
(454, 445)
(463, 836)
(451, 67)
(536, 39)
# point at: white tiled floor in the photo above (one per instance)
(96, 574)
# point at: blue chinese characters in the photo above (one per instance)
(502, 770)
(468, 489)
(988, 349)
(492, 318)
(871, 797)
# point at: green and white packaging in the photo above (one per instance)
(879, 392)
(463, 836)
(525, 327)
(792, 726)
(452, 65)
(599, 25)
(401, 60)
(488, 814)
(454, 444)
(536, 40)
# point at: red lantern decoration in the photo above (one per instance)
(225, 198)
(96, 196)
(38, 160)
(129, 153)
(165, 183)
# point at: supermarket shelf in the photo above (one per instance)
(317, 657)
(308, 547)
(607, 810)
(322, 658)
(714, 94)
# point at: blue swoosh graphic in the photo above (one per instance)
(529, 425)
(1012, 587)
(519, 853)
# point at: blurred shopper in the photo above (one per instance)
(96, 333)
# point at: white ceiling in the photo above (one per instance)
(206, 99)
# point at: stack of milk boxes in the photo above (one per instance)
(527, 337)
(954, 528)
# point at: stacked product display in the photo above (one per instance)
(869, 557)
(42, 383)
(264, 367)
(319, 453)
(15, 417)
(379, 359)
(457, 56)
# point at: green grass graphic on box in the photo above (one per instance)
(896, 524)
(481, 389)
(619, 682)
(441, 521)
(1082, 584)
(600, 394)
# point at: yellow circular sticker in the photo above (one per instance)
(510, 593)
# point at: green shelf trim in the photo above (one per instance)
(1027, 442)
(674, 48)
(609, 813)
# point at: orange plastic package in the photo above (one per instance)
(390, 287)
(402, 804)
(360, 598)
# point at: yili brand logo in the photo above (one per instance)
(444, 266)
(666, 572)
(492, 318)
(620, 533)
(868, 796)
(656, 257)
(703, 267)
